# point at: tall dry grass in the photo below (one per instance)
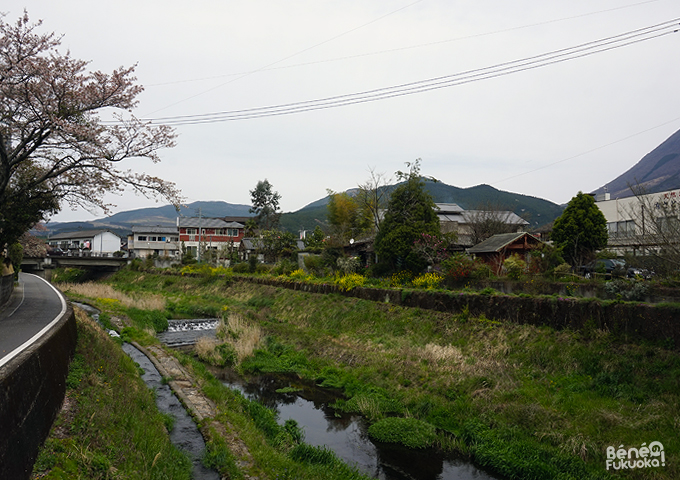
(102, 291)
(241, 334)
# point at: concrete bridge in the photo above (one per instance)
(43, 266)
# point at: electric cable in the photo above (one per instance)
(502, 69)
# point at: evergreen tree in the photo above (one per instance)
(265, 203)
(410, 213)
(581, 230)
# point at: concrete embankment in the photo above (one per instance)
(32, 389)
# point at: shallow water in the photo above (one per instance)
(185, 434)
(182, 333)
(346, 435)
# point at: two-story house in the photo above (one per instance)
(145, 241)
(94, 242)
(209, 234)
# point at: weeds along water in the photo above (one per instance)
(523, 401)
(109, 426)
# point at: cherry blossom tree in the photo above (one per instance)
(54, 147)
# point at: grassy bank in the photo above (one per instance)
(525, 401)
(109, 426)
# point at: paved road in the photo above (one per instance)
(35, 305)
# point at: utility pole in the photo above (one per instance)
(198, 250)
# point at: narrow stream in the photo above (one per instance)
(185, 434)
(345, 433)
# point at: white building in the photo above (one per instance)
(638, 224)
(145, 241)
(96, 242)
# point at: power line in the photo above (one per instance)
(247, 74)
(391, 50)
(502, 69)
(587, 152)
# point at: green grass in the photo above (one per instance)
(524, 401)
(112, 428)
(410, 432)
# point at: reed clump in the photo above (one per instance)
(142, 301)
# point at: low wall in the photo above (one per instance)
(652, 322)
(32, 389)
(6, 288)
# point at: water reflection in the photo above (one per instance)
(346, 434)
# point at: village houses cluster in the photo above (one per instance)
(196, 235)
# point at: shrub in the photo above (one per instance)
(348, 264)
(348, 282)
(314, 264)
(262, 268)
(514, 266)
(241, 268)
(633, 290)
(410, 432)
(482, 271)
(458, 267)
(298, 274)
(562, 270)
(284, 267)
(401, 279)
(429, 280)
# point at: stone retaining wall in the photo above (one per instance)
(6, 288)
(32, 389)
(651, 322)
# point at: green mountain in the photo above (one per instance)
(536, 211)
(121, 223)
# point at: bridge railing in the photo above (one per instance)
(84, 253)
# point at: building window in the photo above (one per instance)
(141, 238)
(191, 231)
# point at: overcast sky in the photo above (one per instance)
(547, 132)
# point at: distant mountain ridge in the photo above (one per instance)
(658, 171)
(165, 216)
(536, 210)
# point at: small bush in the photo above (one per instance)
(315, 264)
(241, 268)
(68, 275)
(298, 274)
(348, 265)
(429, 280)
(263, 268)
(458, 267)
(401, 279)
(562, 270)
(633, 290)
(350, 281)
(514, 266)
(284, 267)
(411, 432)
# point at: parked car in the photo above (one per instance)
(636, 272)
(603, 266)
